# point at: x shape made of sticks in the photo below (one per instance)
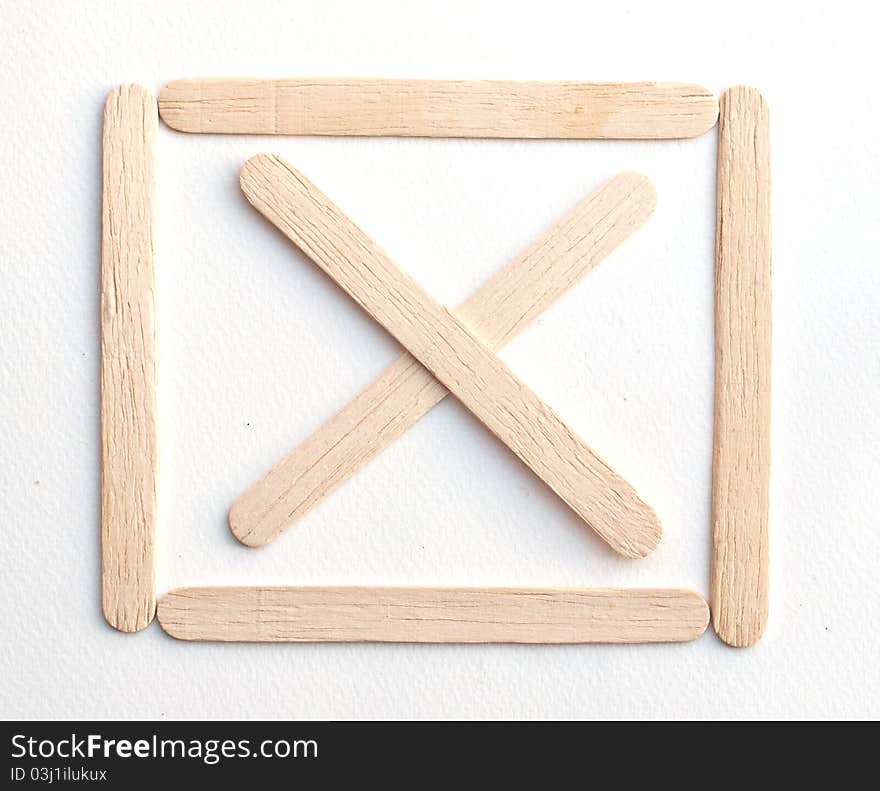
(454, 354)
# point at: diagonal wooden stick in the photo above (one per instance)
(433, 615)
(439, 108)
(454, 354)
(407, 391)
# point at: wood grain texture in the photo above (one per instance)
(741, 461)
(406, 391)
(438, 108)
(128, 360)
(433, 615)
(454, 354)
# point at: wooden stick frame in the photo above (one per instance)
(292, 600)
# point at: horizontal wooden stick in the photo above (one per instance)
(741, 463)
(439, 108)
(407, 391)
(454, 354)
(128, 360)
(433, 615)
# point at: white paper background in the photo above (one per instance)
(258, 348)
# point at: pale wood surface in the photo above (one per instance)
(433, 615)
(406, 390)
(128, 359)
(454, 354)
(437, 108)
(741, 463)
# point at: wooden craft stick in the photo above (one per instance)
(454, 354)
(437, 108)
(407, 391)
(128, 360)
(741, 463)
(433, 615)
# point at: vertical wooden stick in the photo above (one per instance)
(741, 462)
(128, 360)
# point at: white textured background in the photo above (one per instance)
(258, 348)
